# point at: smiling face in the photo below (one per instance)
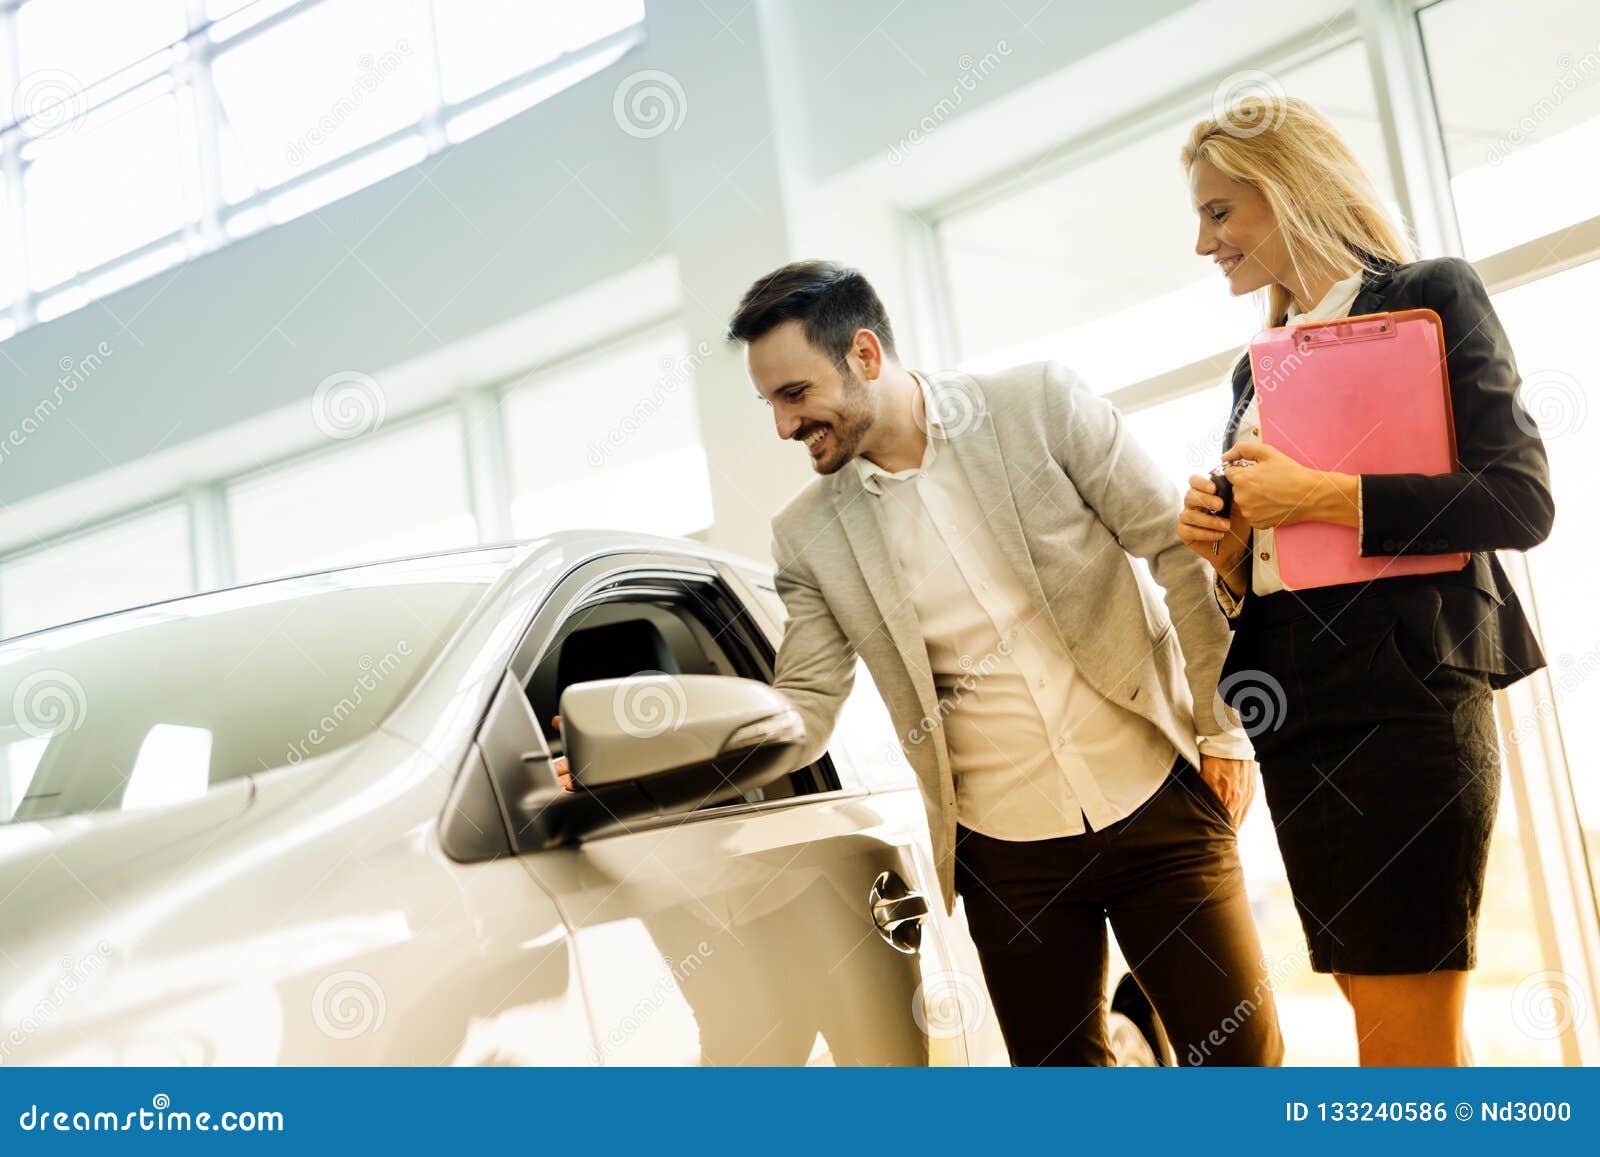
(825, 405)
(1237, 230)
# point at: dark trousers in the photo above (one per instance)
(1168, 879)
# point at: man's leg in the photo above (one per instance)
(1182, 916)
(1043, 950)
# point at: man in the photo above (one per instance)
(968, 537)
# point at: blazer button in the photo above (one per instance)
(1255, 430)
(1266, 556)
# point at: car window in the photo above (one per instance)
(864, 738)
(156, 705)
(688, 626)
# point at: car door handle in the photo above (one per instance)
(898, 912)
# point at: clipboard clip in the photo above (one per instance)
(1311, 337)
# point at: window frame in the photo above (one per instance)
(186, 63)
(1567, 916)
(501, 396)
(1171, 111)
(90, 530)
(621, 571)
(327, 450)
(480, 422)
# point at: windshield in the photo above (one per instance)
(155, 705)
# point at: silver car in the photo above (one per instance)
(318, 821)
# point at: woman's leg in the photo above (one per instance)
(1413, 1019)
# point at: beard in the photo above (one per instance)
(850, 424)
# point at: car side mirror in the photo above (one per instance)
(653, 745)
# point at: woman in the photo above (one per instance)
(1370, 702)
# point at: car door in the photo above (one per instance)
(956, 1010)
(743, 933)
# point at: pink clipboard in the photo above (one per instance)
(1357, 395)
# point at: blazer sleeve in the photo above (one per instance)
(1500, 498)
(1231, 606)
(1136, 502)
(816, 665)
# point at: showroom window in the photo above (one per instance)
(1518, 94)
(135, 560)
(176, 116)
(1050, 267)
(610, 440)
(1547, 323)
(1111, 284)
(386, 494)
(607, 439)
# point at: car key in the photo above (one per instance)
(1219, 478)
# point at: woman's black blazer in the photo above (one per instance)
(1499, 499)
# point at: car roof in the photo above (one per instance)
(508, 555)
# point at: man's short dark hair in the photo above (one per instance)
(831, 301)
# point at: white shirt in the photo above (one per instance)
(1033, 748)
(1265, 578)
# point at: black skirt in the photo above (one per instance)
(1381, 768)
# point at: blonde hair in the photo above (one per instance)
(1321, 198)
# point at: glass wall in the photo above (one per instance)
(172, 128)
(1093, 264)
(1517, 88)
(1096, 265)
(1547, 322)
(1518, 97)
(387, 494)
(135, 560)
(608, 440)
(612, 440)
